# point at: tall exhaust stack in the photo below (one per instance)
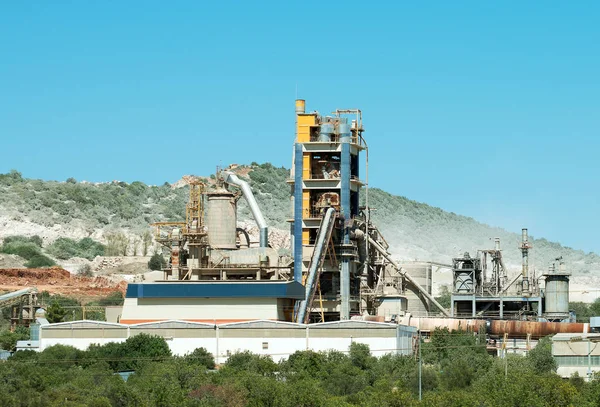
(525, 246)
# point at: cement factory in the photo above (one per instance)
(340, 277)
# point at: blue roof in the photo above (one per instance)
(217, 289)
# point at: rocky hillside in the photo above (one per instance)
(415, 231)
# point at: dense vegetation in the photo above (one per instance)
(456, 371)
(64, 248)
(29, 248)
(115, 204)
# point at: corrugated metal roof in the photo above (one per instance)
(220, 289)
(262, 324)
(353, 324)
(571, 336)
(85, 324)
(172, 324)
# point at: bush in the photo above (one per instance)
(85, 271)
(64, 248)
(28, 248)
(157, 262)
(202, 357)
(39, 260)
(55, 313)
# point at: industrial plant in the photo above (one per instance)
(340, 277)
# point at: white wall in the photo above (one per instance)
(199, 309)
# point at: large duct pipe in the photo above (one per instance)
(387, 256)
(512, 328)
(231, 178)
(315, 262)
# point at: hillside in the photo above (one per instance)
(415, 231)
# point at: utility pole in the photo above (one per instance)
(420, 368)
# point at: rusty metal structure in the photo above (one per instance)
(23, 306)
(209, 246)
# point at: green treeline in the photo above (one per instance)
(456, 371)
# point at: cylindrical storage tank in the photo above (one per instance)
(463, 282)
(300, 106)
(417, 304)
(326, 132)
(556, 297)
(221, 219)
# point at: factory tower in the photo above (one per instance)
(325, 174)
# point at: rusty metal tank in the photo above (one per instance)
(221, 219)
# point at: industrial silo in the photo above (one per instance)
(556, 294)
(417, 304)
(221, 219)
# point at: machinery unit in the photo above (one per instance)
(215, 273)
(479, 294)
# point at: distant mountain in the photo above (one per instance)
(415, 231)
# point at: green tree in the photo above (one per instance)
(55, 313)
(541, 356)
(116, 244)
(201, 357)
(445, 297)
(8, 339)
(157, 262)
(38, 261)
(146, 242)
(582, 311)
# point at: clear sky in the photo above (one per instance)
(486, 109)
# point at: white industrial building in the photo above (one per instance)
(264, 337)
(576, 353)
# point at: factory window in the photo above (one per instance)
(577, 360)
(265, 345)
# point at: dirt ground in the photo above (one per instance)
(57, 280)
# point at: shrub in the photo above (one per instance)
(65, 248)
(39, 260)
(157, 262)
(85, 271)
(55, 313)
(202, 357)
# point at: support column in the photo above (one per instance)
(298, 213)
(474, 306)
(344, 131)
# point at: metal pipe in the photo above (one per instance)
(316, 260)
(231, 178)
(14, 294)
(512, 328)
(387, 256)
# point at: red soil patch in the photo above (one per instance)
(57, 280)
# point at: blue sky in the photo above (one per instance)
(487, 109)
